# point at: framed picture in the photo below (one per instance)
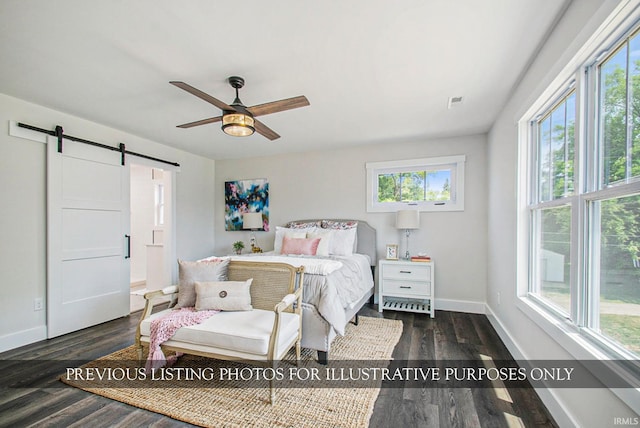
(392, 252)
(245, 196)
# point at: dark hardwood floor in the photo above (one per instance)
(453, 336)
(447, 336)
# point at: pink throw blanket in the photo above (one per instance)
(164, 327)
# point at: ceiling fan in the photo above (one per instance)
(238, 120)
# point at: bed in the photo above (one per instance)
(337, 281)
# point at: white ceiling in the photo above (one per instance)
(373, 70)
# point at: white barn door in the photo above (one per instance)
(87, 233)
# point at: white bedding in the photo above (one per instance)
(332, 284)
(312, 264)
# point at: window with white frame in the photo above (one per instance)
(583, 200)
(551, 202)
(159, 204)
(429, 184)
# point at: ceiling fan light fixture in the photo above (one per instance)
(238, 124)
(238, 120)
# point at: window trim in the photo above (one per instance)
(457, 183)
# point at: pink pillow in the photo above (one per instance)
(303, 246)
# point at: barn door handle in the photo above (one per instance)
(128, 238)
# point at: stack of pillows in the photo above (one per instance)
(317, 238)
(204, 285)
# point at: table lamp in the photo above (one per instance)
(407, 220)
(253, 222)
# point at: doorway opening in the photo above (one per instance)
(151, 231)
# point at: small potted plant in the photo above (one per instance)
(238, 246)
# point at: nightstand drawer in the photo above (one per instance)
(392, 286)
(411, 272)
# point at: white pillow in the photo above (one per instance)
(325, 240)
(224, 295)
(291, 233)
(342, 242)
(189, 272)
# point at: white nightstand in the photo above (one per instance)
(406, 286)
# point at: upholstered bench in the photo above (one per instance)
(262, 335)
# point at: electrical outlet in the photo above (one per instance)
(498, 298)
(38, 304)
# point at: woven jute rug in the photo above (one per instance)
(372, 340)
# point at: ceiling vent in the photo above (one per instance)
(454, 102)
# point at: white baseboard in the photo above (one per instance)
(21, 338)
(562, 417)
(460, 306)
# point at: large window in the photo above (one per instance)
(429, 184)
(584, 200)
(615, 279)
(554, 136)
(619, 107)
(556, 139)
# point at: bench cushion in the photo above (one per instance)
(246, 331)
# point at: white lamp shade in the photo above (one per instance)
(407, 219)
(252, 221)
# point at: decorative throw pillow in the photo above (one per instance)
(301, 224)
(281, 232)
(224, 295)
(190, 272)
(341, 225)
(325, 240)
(343, 242)
(300, 246)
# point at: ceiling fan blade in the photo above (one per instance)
(264, 130)
(276, 106)
(202, 95)
(200, 122)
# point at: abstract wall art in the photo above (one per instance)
(245, 196)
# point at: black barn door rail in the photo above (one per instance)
(58, 133)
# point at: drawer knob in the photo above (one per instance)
(405, 271)
(405, 286)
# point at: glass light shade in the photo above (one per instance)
(407, 219)
(252, 221)
(238, 124)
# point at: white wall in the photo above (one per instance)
(23, 213)
(332, 184)
(587, 407)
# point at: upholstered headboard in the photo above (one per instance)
(366, 237)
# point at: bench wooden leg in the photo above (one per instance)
(140, 352)
(272, 388)
(272, 398)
